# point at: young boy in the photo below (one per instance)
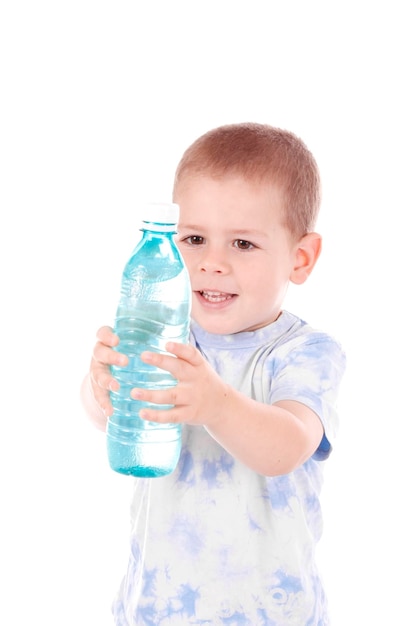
(229, 537)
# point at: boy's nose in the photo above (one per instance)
(213, 263)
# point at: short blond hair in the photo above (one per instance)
(263, 154)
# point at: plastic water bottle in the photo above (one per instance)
(154, 308)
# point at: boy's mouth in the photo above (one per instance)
(216, 296)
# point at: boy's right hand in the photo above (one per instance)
(100, 379)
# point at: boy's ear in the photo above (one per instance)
(307, 251)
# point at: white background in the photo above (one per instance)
(98, 102)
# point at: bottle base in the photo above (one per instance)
(141, 471)
(143, 460)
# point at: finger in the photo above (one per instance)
(173, 364)
(184, 351)
(104, 380)
(163, 361)
(160, 396)
(165, 416)
(106, 335)
(101, 396)
(107, 356)
(103, 400)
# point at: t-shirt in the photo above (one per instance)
(215, 542)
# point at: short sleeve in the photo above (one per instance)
(311, 372)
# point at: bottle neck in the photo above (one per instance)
(158, 228)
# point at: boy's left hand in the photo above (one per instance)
(199, 394)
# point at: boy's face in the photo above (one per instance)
(239, 255)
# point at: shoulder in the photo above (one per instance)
(300, 338)
(305, 354)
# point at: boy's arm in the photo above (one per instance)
(270, 439)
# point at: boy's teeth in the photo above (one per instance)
(215, 296)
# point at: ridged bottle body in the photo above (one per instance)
(154, 308)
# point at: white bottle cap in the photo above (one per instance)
(161, 213)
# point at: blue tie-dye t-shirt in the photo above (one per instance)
(216, 543)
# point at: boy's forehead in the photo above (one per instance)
(231, 202)
(258, 224)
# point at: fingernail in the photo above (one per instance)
(114, 385)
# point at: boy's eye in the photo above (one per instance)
(242, 244)
(195, 240)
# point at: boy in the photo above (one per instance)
(229, 537)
